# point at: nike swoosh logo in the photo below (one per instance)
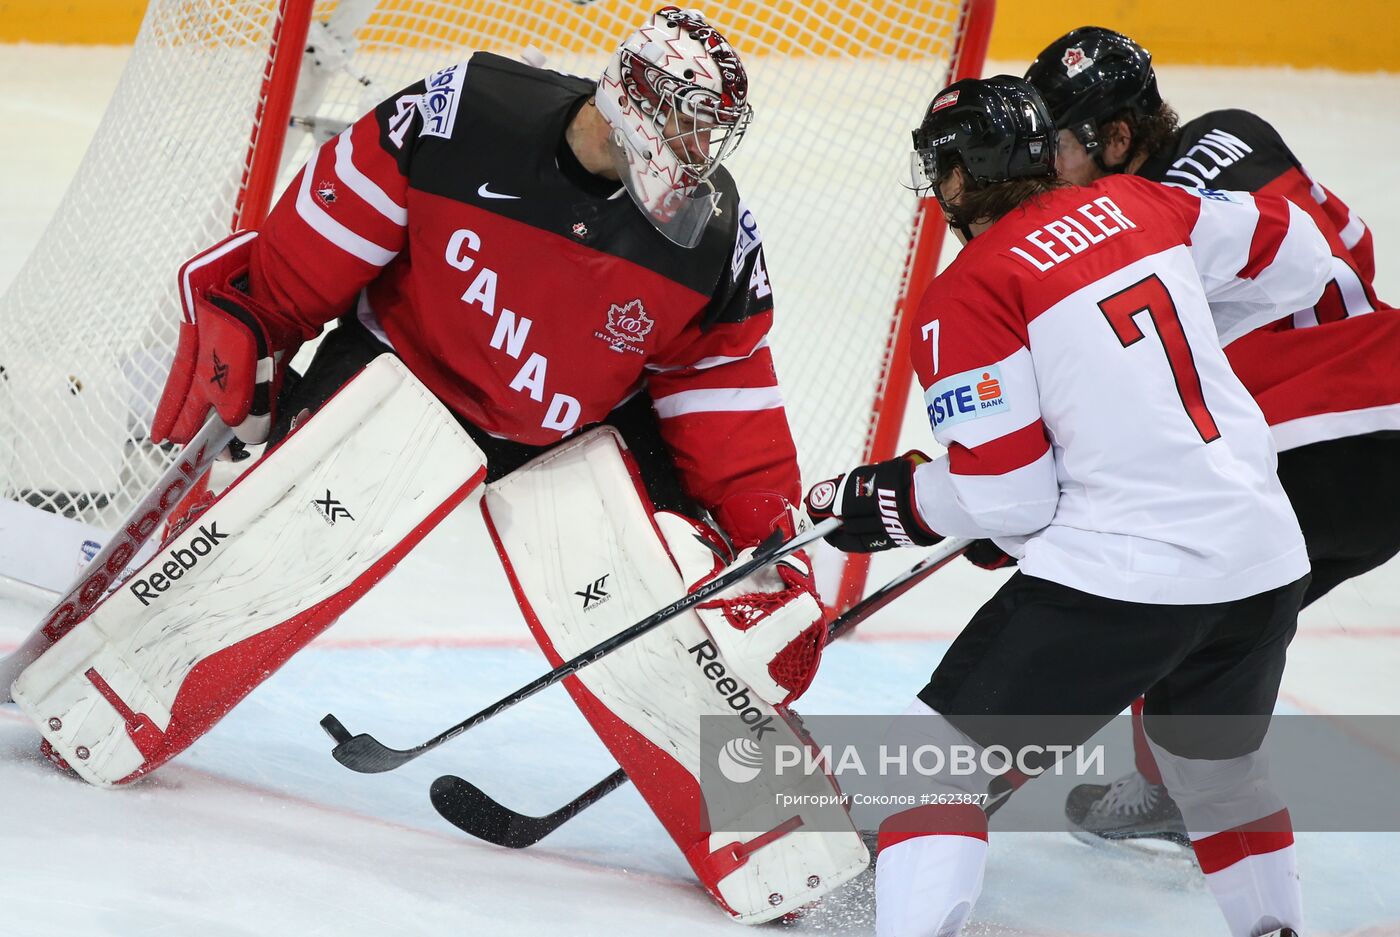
(487, 193)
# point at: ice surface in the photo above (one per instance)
(256, 831)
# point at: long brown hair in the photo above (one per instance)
(1150, 132)
(986, 202)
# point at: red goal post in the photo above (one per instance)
(221, 100)
(925, 247)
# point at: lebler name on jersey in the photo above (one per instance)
(1104, 218)
(970, 395)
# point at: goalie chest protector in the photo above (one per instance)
(518, 255)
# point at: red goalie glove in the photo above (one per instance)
(776, 622)
(225, 358)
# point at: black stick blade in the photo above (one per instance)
(466, 807)
(363, 753)
(367, 755)
(335, 729)
(463, 804)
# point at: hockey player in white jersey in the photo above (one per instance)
(1073, 369)
(1323, 376)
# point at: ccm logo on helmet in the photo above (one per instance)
(707, 659)
(181, 561)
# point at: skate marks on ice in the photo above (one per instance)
(192, 851)
(258, 827)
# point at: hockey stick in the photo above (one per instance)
(468, 808)
(366, 754)
(105, 569)
(471, 810)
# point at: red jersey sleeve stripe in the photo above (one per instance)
(1222, 850)
(759, 454)
(363, 185)
(756, 370)
(1269, 232)
(934, 820)
(1363, 257)
(718, 400)
(1004, 454)
(328, 227)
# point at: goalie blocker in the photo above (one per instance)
(271, 564)
(586, 556)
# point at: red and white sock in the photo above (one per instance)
(928, 873)
(1146, 762)
(1253, 872)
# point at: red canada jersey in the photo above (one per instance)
(530, 296)
(1072, 366)
(1326, 370)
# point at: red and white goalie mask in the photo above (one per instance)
(676, 97)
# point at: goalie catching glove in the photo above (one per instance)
(771, 627)
(876, 506)
(227, 358)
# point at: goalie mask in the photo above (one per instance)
(676, 97)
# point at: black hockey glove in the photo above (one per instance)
(988, 555)
(876, 506)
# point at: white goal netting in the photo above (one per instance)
(89, 324)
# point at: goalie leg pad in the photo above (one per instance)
(271, 564)
(586, 558)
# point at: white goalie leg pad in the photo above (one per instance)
(277, 557)
(581, 546)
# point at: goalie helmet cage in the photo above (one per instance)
(221, 100)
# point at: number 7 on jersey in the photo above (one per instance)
(1150, 295)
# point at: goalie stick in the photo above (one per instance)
(106, 568)
(471, 810)
(368, 755)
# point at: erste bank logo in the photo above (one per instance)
(970, 395)
(1216, 195)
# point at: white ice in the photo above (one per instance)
(257, 831)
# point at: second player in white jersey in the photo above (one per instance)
(1073, 369)
(1072, 365)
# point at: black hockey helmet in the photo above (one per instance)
(996, 128)
(1089, 76)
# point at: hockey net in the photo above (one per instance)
(192, 145)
